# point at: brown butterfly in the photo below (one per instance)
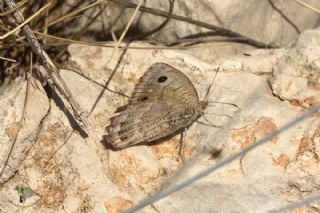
(163, 103)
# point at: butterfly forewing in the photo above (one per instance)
(163, 82)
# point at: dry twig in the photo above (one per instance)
(51, 68)
(218, 30)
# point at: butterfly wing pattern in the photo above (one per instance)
(164, 102)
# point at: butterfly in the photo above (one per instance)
(163, 103)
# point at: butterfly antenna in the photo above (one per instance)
(218, 114)
(210, 124)
(219, 102)
(209, 88)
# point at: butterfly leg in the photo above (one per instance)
(181, 148)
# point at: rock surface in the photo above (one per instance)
(69, 172)
(272, 21)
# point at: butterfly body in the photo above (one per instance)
(163, 103)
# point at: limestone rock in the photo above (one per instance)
(267, 21)
(71, 172)
(296, 76)
(20, 125)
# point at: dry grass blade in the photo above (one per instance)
(163, 24)
(19, 5)
(53, 71)
(8, 59)
(72, 14)
(216, 29)
(308, 6)
(124, 32)
(21, 119)
(25, 22)
(82, 31)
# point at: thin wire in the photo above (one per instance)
(297, 204)
(222, 163)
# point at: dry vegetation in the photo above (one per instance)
(57, 18)
(59, 23)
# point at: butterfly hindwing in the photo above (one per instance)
(137, 125)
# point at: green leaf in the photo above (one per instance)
(24, 192)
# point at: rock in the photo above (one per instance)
(20, 125)
(278, 22)
(71, 172)
(296, 76)
(271, 22)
